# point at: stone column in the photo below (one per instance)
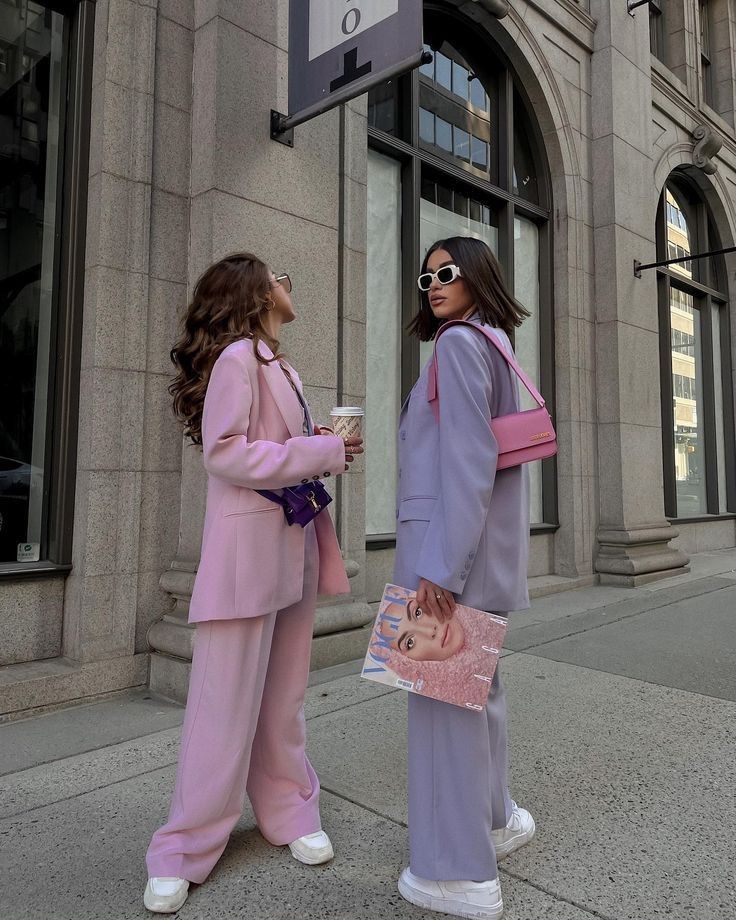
(101, 592)
(292, 207)
(633, 533)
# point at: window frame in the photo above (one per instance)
(708, 289)
(656, 30)
(706, 63)
(406, 147)
(62, 421)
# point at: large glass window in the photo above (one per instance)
(34, 42)
(465, 159)
(697, 428)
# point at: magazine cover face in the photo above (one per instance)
(453, 661)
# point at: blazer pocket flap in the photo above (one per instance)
(250, 502)
(416, 509)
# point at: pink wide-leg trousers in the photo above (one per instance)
(244, 730)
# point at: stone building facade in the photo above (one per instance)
(576, 138)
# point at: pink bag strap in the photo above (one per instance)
(432, 391)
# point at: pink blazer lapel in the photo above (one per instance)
(283, 395)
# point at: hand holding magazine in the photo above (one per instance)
(453, 661)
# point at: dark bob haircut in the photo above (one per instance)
(482, 274)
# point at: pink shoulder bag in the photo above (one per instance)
(522, 436)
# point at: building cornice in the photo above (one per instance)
(573, 10)
(699, 116)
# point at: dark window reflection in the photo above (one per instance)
(525, 174)
(383, 107)
(32, 60)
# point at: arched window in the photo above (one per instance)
(697, 408)
(454, 150)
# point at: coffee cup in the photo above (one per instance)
(347, 421)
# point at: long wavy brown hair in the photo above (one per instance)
(230, 302)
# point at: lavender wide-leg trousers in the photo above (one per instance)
(458, 786)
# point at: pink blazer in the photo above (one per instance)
(252, 561)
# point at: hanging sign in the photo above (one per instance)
(339, 49)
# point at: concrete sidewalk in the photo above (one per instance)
(623, 723)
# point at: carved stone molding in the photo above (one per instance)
(707, 144)
(497, 8)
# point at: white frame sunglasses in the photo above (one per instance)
(445, 275)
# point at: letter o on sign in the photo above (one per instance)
(350, 21)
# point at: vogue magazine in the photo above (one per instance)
(452, 661)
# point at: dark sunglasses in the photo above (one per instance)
(445, 275)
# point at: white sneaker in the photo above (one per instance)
(312, 849)
(478, 900)
(165, 895)
(518, 832)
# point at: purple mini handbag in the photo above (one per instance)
(301, 503)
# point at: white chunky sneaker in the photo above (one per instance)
(477, 900)
(518, 832)
(312, 849)
(165, 895)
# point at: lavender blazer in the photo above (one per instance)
(460, 523)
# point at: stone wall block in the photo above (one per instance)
(301, 180)
(159, 520)
(619, 294)
(201, 235)
(114, 411)
(643, 474)
(174, 48)
(128, 519)
(120, 228)
(179, 11)
(204, 110)
(161, 431)
(354, 285)
(611, 480)
(354, 359)
(167, 303)
(169, 236)
(268, 21)
(631, 349)
(114, 328)
(127, 130)
(103, 331)
(130, 48)
(30, 620)
(356, 204)
(356, 146)
(96, 543)
(171, 163)
(152, 603)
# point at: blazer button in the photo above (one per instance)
(304, 481)
(315, 477)
(403, 435)
(327, 474)
(464, 575)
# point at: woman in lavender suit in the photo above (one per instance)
(462, 535)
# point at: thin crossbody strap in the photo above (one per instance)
(508, 357)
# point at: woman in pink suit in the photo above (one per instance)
(255, 593)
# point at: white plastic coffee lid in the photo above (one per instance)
(348, 410)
